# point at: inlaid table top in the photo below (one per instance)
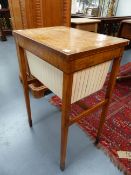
(84, 21)
(69, 41)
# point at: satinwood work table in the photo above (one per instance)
(73, 64)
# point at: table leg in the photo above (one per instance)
(66, 106)
(110, 87)
(22, 64)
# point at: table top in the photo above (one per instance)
(84, 21)
(69, 42)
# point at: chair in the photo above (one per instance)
(125, 32)
(4, 23)
(5, 26)
(3, 36)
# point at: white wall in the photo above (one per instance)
(124, 8)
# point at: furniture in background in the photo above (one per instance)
(5, 26)
(125, 29)
(85, 24)
(35, 14)
(73, 72)
(110, 25)
(125, 32)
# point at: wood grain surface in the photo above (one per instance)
(69, 40)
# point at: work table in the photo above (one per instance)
(73, 64)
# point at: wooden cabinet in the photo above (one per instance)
(36, 14)
(5, 27)
(110, 25)
(125, 29)
(85, 24)
(39, 13)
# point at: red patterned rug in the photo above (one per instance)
(116, 135)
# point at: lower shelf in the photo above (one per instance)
(37, 89)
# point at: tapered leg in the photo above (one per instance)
(66, 105)
(64, 135)
(22, 64)
(111, 84)
(102, 120)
